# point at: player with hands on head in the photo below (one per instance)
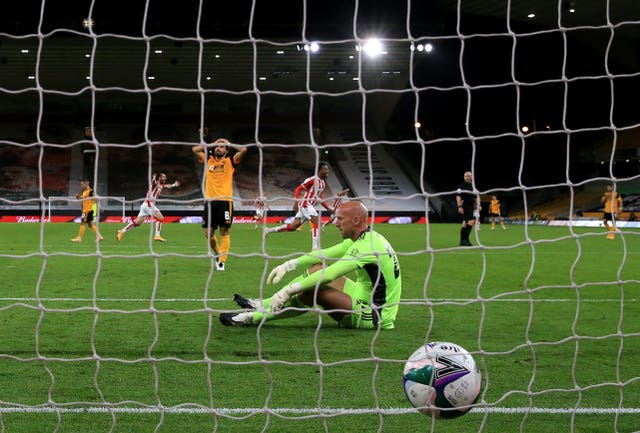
(219, 168)
(148, 207)
(369, 302)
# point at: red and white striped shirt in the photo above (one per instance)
(312, 188)
(336, 203)
(259, 202)
(154, 192)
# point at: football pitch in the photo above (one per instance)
(125, 337)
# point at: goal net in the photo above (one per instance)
(536, 99)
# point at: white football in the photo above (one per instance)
(442, 379)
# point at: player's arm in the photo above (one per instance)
(296, 195)
(326, 206)
(308, 260)
(240, 152)
(325, 275)
(459, 202)
(199, 151)
(322, 276)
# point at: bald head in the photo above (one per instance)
(355, 208)
(352, 219)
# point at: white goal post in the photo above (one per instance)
(54, 203)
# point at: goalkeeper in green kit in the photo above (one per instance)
(369, 302)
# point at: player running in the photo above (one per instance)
(306, 195)
(149, 209)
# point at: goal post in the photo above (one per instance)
(71, 205)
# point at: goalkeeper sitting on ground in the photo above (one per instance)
(369, 302)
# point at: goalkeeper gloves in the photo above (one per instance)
(278, 272)
(282, 296)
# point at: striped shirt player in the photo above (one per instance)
(335, 205)
(370, 301)
(148, 207)
(260, 207)
(307, 195)
(219, 169)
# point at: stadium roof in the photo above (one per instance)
(245, 46)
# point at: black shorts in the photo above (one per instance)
(217, 213)
(468, 214)
(87, 217)
(607, 216)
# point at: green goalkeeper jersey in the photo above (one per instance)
(375, 264)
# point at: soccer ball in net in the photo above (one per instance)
(442, 379)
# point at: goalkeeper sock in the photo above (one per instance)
(258, 316)
(225, 245)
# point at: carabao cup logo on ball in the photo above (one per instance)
(442, 379)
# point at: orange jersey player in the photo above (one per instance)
(219, 168)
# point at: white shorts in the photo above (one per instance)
(146, 210)
(305, 213)
(259, 213)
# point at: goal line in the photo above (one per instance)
(316, 411)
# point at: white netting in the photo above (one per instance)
(538, 100)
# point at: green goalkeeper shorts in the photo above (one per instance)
(362, 316)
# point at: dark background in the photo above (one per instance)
(572, 78)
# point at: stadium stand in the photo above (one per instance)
(372, 172)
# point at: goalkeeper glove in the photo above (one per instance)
(282, 296)
(278, 272)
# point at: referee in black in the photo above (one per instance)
(466, 202)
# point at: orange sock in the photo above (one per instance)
(213, 242)
(225, 245)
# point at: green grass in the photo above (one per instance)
(552, 316)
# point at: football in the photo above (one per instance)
(441, 379)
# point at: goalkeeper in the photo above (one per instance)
(369, 302)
